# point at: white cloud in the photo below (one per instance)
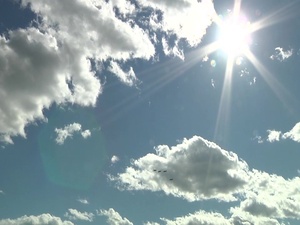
(85, 134)
(281, 54)
(125, 7)
(195, 169)
(202, 170)
(270, 195)
(273, 135)
(187, 19)
(200, 217)
(128, 77)
(5, 138)
(240, 217)
(113, 217)
(67, 131)
(44, 219)
(52, 62)
(83, 201)
(293, 134)
(114, 159)
(1, 192)
(93, 28)
(151, 223)
(74, 214)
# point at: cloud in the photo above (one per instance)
(114, 218)
(52, 61)
(83, 201)
(273, 135)
(198, 170)
(281, 54)
(85, 134)
(44, 219)
(293, 134)
(67, 131)
(201, 170)
(74, 214)
(114, 159)
(1, 192)
(200, 217)
(93, 28)
(172, 51)
(259, 139)
(128, 77)
(187, 19)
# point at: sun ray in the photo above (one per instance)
(282, 93)
(276, 17)
(175, 69)
(225, 102)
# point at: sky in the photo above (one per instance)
(152, 112)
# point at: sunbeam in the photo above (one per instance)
(276, 17)
(281, 92)
(234, 38)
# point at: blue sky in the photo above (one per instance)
(149, 112)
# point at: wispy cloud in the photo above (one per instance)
(128, 77)
(281, 54)
(83, 201)
(113, 217)
(74, 214)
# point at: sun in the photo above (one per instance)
(234, 36)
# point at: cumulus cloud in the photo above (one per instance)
(273, 135)
(200, 217)
(281, 54)
(195, 169)
(67, 131)
(51, 62)
(293, 134)
(86, 133)
(113, 217)
(44, 219)
(188, 19)
(74, 214)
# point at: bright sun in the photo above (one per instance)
(234, 35)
